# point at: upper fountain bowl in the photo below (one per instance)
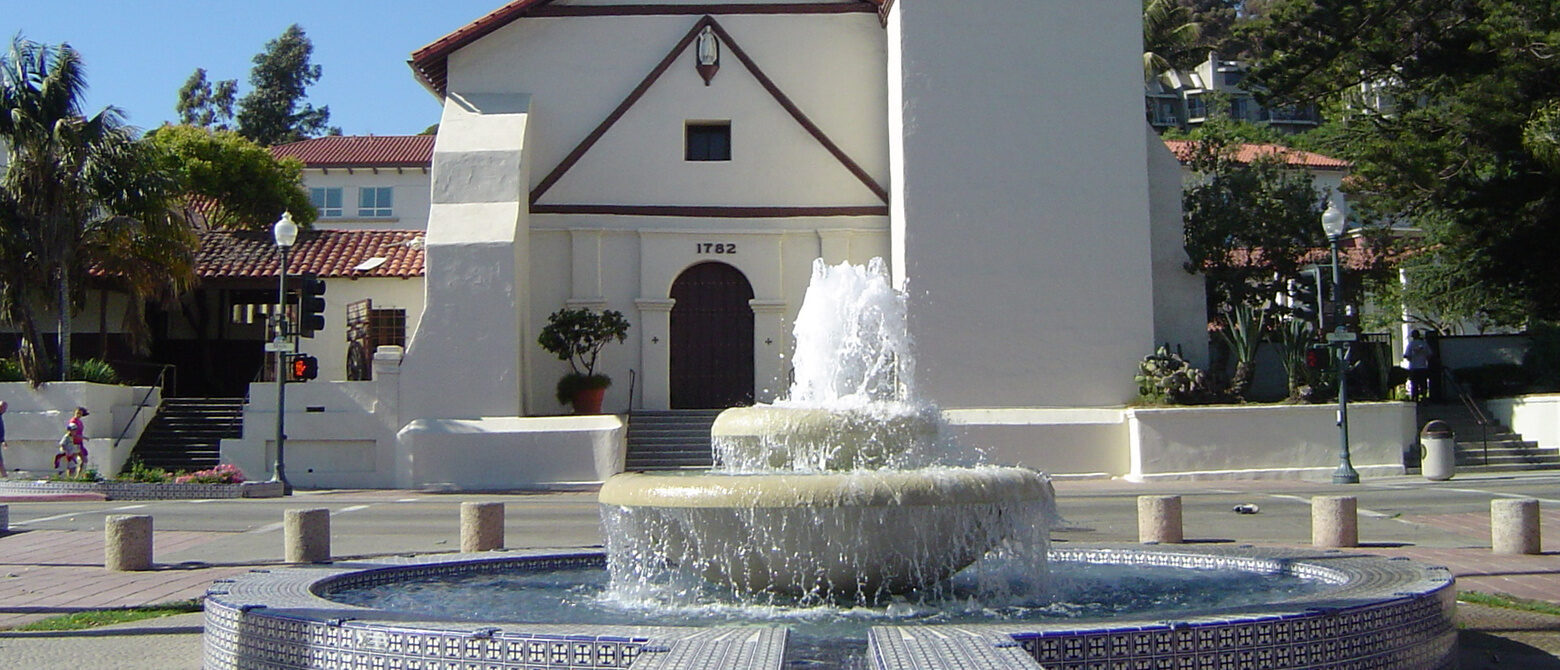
(770, 438)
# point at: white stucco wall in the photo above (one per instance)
(35, 419)
(1180, 317)
(630, 266)
(330, 344)
(1535, 417)
(579, 70)
(1077, 442)
(409, 201)
(1026, 242)
(467, 352)
(1280, 441)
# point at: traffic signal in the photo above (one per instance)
(1305, 297)
(305, 367)
(1316, 356)
(311, 305)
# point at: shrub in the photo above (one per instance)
(577, 336)
(225, 473)
(11, 370)
(93, 370)
(87, 476)
(1165, 377)
(141, 473)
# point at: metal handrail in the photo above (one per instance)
(1473, 408)
(156, 384)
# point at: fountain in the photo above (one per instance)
(844, 489)
(839, 513)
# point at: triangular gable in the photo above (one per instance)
(431, 63)
(790, 110)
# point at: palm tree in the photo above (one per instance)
(71, 181)
(1169, 32)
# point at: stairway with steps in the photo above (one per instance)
(1491, 448)
(676, 439)
(187, 433)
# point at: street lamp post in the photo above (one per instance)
(1333, 224)
(285, 233)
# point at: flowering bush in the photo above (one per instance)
(225, 473)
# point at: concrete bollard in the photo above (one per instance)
(481, 526)
(1159, 519)
(1514, 526)
(127, 542)
(307, 535)
(1335, 521)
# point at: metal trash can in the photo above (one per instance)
(1439, 459)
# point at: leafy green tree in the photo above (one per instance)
(71, 181)
(274, 111)
(1458, 142)
(206, 105)
(234, 183)
(1247, 224)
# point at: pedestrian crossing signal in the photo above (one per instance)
(305, 367)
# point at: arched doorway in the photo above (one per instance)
(712, 338)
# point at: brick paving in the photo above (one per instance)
(45, 573)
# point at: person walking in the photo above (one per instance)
(1418, 355)
(73, 447)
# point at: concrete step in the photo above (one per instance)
(670, 440)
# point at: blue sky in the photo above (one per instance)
(138, 54)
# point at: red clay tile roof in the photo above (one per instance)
(431, 63)
(1247, 152)
(383, 151)
(328, 253)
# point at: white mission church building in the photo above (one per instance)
(685, 162)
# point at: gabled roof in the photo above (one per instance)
(367, 151)
(228, 254)
(431, 63)
(1249, 152)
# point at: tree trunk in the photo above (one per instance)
(31, 354)
(65, 325)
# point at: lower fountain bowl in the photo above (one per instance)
(1378, 613)
(855, 534)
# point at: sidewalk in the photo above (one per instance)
(49, 572)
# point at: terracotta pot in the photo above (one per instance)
(588, 401)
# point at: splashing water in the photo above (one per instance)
(852, 344)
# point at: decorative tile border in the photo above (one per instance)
(1383, 613)
(115, 490)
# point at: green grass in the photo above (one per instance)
(1504, 601)
(95, 618)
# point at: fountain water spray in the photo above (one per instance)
(845, 491)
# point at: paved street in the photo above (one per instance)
(52, 560)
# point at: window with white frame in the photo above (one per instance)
(327, 201)
(375, 202)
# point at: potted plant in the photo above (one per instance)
(577, 336)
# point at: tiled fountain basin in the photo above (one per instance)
(1382, 613)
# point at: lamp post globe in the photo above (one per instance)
(285, 233)
(1334, 223)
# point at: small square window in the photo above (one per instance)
(375, 202)
(327, 201)
(708, 141)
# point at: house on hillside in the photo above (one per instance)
(1182, 99)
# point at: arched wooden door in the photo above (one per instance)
(712, 338)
